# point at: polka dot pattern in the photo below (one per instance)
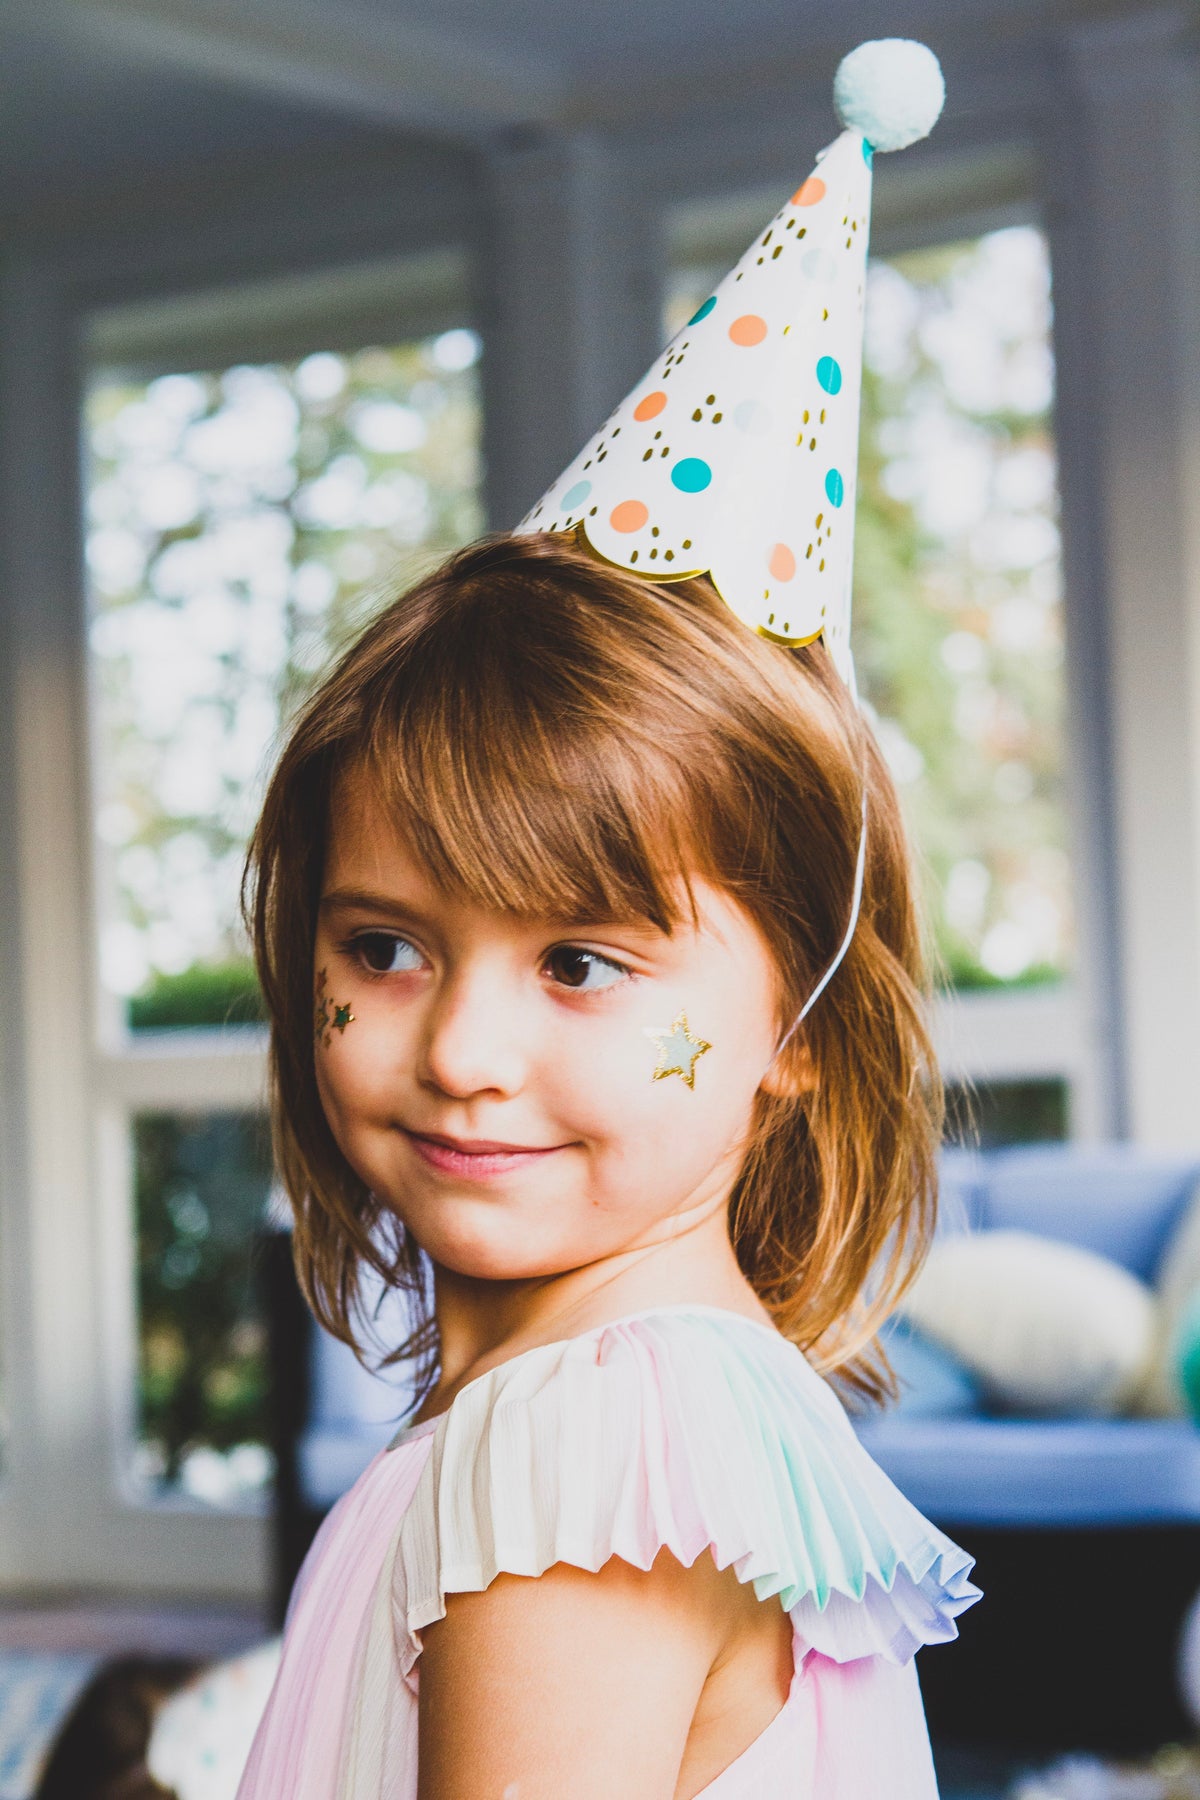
(629, 515)
(748, 331)
(829, 374)
(810, 192)
(735, 454)
(692, 475)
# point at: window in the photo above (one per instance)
(958, 636)
(243, 521)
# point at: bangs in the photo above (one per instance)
(531, 778)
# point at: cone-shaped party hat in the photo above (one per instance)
(736, 455)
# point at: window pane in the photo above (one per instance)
(243, 523)
(957, 592)
(201, 1185)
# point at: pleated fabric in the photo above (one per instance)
(687, 1428)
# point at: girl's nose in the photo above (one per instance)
(470, 1043)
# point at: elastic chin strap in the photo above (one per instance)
(835, 965)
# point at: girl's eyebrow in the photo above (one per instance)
(370, 901)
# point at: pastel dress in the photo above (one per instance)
(684, 1427)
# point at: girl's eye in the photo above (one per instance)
(385, 954)
(584, 969)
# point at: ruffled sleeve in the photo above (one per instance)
(684, 1429)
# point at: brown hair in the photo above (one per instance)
(562, 738)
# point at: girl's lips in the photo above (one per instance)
(476, 1160)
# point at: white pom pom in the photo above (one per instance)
(891, 90)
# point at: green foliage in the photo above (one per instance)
(204, 995)
(957, 631)
(201, 1184)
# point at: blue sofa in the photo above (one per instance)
(973, 1470)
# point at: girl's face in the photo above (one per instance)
(492, 1078)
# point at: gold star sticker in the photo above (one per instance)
(678, 1051)
(342, 1016)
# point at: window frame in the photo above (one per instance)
(1012, 1034)
(70, 1512)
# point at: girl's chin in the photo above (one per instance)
(501, 1251)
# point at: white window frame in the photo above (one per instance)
(70, 1514)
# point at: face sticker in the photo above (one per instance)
(328, 1015)
(678, 1050)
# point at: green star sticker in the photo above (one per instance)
(342, 1016)
(678, 1051)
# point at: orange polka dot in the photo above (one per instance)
(748, 330)
(651, 406)
(629, 515)
(782, 563)
(810, 193)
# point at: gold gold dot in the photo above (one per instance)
(647, 456)
(775, 252)
(717, 417)
(654, 531)
(687, 543)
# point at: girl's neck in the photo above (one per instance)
(484, 1323)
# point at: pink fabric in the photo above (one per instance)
(297, 1752)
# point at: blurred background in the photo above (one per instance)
(297, 295)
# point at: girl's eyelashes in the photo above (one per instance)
(569, 965)
(585, 970)
(384, 953)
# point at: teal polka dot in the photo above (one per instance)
(868, 153)
(829, 374)
(692, 475)
(835, 487)
(702, 312)
(575, 496)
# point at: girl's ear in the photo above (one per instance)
(791, 1074)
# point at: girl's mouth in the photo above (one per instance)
(477, 1159)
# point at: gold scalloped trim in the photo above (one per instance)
(665, 578)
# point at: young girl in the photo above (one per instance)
(562, 855)
(550, 869)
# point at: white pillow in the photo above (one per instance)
(1046, 1326)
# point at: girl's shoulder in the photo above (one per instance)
(682, 1427)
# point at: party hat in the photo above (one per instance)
(736, 455)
